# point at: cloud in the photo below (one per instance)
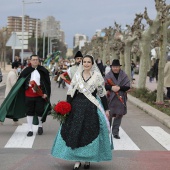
(80, 16)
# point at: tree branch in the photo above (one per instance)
(148, 20)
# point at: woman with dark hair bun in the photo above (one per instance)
(89, 56)
(84, 136)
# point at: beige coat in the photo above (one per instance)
(11, 80)
(167, 74)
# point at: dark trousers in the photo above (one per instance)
(116, 124)
(168, 92)
(61, 81)
(34, 105)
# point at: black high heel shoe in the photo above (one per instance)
(76, 168)
(87, 165)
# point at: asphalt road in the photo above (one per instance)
(144, 143)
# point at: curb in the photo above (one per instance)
(160, 116)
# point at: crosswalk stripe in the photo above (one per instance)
(125, 142)
(159, 135)
(19, 138)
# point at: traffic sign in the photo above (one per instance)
(14, 41)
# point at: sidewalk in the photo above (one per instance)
(151, 86)
(160, 116)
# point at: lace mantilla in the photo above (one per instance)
(95, 82)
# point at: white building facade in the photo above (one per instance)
(52, 28)
(79, 40)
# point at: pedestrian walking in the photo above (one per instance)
(155, 69)
(151, 74)
(99, 63)
(34, 102)
(133, 65)
(61, 81)
(71, 71)
(29, 96)
(167, 77)
(11, 80)
(107, 67)
(0, 75)
(116, 83)
(84, 136)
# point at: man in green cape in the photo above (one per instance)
(24, 101)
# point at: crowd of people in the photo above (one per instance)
(97, 95)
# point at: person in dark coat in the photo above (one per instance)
(151, 74)
(34, 102)
(117, 95)
(10, 81)
(100, 66)
(23, 101)
(0, 76)
(167, 77)
(133, 65)
(155, 69)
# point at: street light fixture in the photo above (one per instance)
(23, 5)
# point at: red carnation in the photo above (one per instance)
(62, 108)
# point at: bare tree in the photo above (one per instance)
(145, 41)
(165, 22)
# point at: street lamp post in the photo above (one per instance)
(44, 34)
(51, 45)
(36, 38)
(43, 44)
(23, 7)
(48, 44)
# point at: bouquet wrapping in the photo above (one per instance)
(68, 80)
(61, 110)
(111, 83)
(36, 88)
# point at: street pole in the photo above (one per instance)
(36, 43)
(44, 36)
(4, 47)
(43, 44)
(13, 54)
(4, 58)
(23, 3)
(48, 44)
(22, 49)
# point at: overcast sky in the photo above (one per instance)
(80, 16)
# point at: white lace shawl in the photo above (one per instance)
(87, 88)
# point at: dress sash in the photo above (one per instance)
(85, 89)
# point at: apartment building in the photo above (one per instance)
(15, 25)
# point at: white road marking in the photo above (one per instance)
(19, 138)
(124, 143)
(159, 135)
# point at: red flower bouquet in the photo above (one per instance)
(61, 110)
(68, 80)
